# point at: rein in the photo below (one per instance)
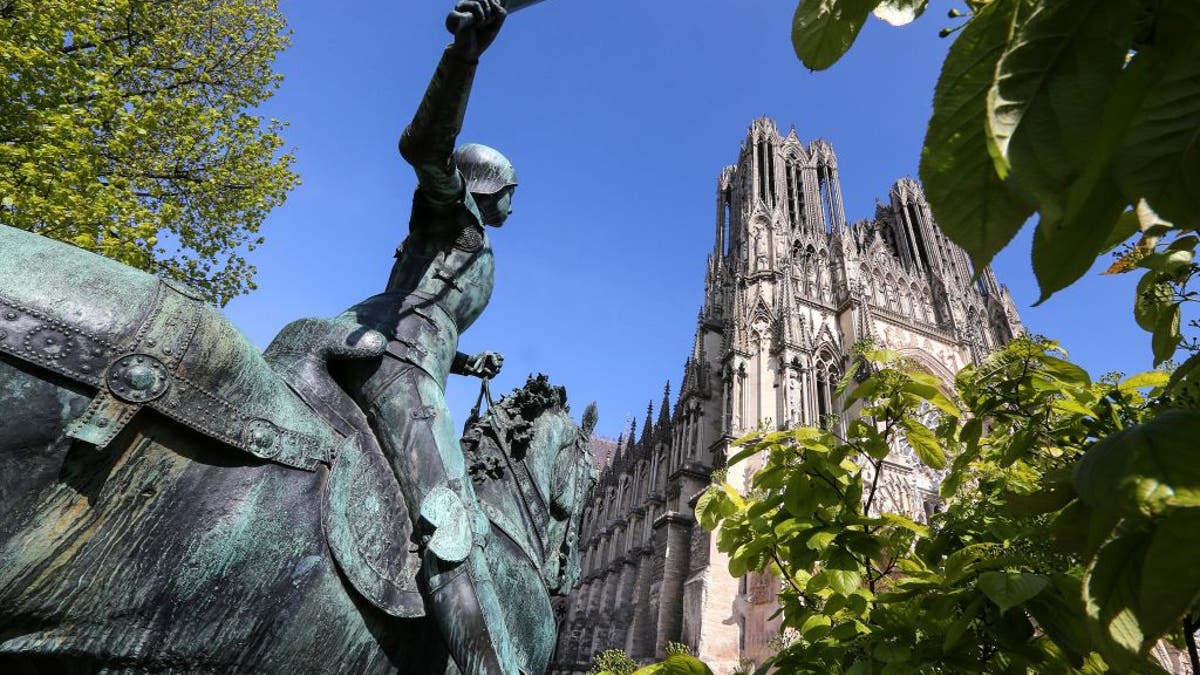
(533, 503)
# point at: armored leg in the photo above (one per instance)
(408, 413)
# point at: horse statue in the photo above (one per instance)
(170, 500)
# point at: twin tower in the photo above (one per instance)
(790, 288)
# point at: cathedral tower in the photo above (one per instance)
(790, 288)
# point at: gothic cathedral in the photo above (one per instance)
(790, 288)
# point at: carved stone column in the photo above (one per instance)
(673, 534)
(640, 643)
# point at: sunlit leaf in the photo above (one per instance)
(1166, 335)
(822, 30)
(1009, 589)
(1160, 159)
(924, 443)
(972, 204)
(900, 12)
(1170, 583)
(1145, 468)
(1111, 593)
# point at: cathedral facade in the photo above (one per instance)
(790, 288)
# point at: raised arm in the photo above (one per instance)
(428, 141)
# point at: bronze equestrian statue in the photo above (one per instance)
(174, 500)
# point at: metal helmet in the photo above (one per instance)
(484, 168)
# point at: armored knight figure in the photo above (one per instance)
(441, 281)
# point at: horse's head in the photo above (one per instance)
(532, 463)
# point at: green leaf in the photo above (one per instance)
(960, 563)
(933, 395)
(1143, 469)
(710, 508)
(1111, 594)
(1185, 373)
(1045, 133)
(1154, 296)
(900, 12)
(1009, 589)
(891, 653)
(972, 204)
(1065, 371)
(799, 498)
(863, 391)
(1166, 335)
(820, 540)
(676, 664)
(822, 30)
(1060, 613)
(1170, 576)
(971, 431)
(1160, 157)
(1064, 249)
(956, 631)
(734, 498)
(924, 443)
(743, 454)
(815, 627)
(1037, 503)
(1054, 76)
(1150, 378)
(897, 520)
(1127, 226)
(1018, 446)
(1070, 406)
(842, 581)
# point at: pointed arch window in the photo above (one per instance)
(828, 196)
(825, 377)
(793, 216)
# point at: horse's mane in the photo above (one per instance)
(511, 420)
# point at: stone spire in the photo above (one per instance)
(648, 427)
(663, 430)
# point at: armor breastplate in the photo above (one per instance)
(444, 286)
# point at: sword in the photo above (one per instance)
(459, 20)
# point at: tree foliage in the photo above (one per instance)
(1078, 110)
(126, 128)
(1066, 544)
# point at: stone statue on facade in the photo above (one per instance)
(174, 500)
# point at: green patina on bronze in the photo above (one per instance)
(175, 500)
(170, 549)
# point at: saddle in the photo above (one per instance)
(140, 342)
(144, 342)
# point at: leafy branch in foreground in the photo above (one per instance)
(1041, 522)
(1077, 110)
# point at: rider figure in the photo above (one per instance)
(441, 281)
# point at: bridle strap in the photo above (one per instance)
(485, 393)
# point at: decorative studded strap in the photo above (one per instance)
(146, 370)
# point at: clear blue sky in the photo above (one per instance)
(619, 115)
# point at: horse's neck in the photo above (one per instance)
(519, 503)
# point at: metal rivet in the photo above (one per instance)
(166, 350)
(11, 316)
(85, 368)
(102, 422)
(150, 343)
